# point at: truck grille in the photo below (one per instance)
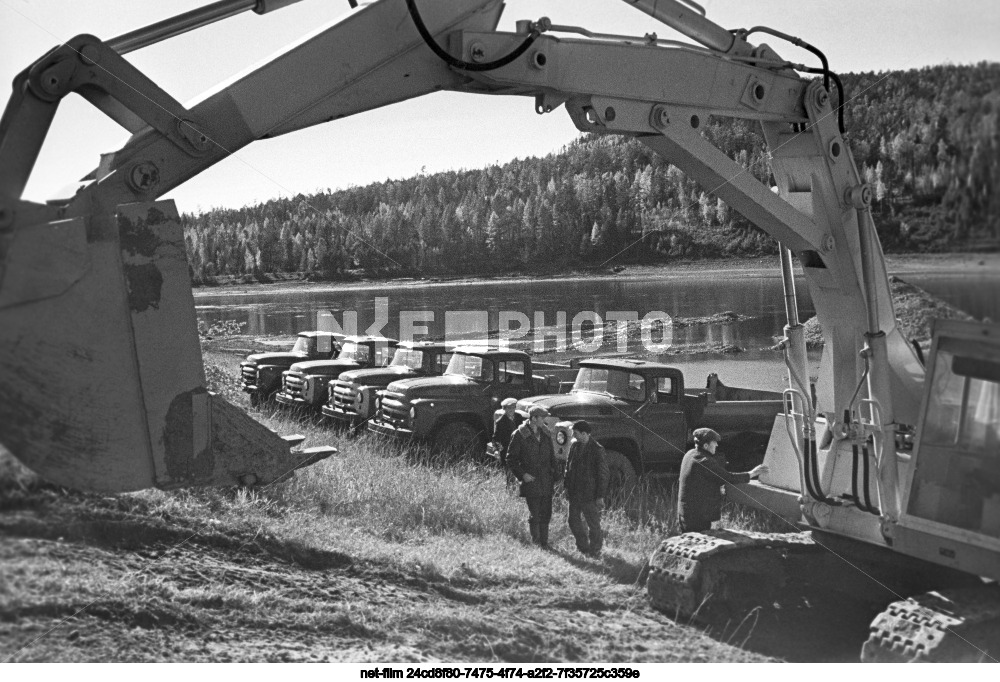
(249, 374)
(342, 396)
(395, 409)
(293, 385)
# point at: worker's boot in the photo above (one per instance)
(543, 535)
(533, 529)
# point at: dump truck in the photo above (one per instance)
(454, 412)
(261, 373)
(352, 395)
(304, 384)
(643, 414)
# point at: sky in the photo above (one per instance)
(439, 132)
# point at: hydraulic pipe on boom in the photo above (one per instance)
(689, 18)
(188, 21)
(879, 390)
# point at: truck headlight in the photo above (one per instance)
(561, 437)
(307, 389)
(413, 412)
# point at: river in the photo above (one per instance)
(465, 310)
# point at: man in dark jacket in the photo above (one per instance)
(533, 461)
(504, 427)
(703, 472)
(586, 485)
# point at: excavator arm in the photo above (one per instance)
(99, 356)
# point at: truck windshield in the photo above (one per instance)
(304, 345)
(352, 351)
(471, 366)
(619, 383)
(408, 357)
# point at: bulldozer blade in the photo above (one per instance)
(100, 362)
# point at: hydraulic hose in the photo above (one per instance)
(411, 5)
(854, 473)
(811, 454)
(824, 70)
(869, 507)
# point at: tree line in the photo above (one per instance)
(927, 140)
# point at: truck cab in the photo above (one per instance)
(261, 372)
(304, 384)
(352, 395)
(454, 411)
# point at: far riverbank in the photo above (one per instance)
(972, 264)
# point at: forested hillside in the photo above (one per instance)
(927, 140)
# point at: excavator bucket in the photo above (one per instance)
(103, 386)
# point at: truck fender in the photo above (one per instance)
(471, 419)
(461, 435)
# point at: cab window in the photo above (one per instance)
(636, 389)
(440, 363)
(665, 390)
(383, 354)
(510, 372)
(324, 345)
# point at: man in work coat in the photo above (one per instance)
(533, 461)
(586, 485)
(503, 427)
(703, 472)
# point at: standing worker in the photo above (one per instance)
(504, 428)
(533, 461)
(586, 486)
(703, 472)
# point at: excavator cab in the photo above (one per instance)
(952, 509)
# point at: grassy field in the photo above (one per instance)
(379, 553)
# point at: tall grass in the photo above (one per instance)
(383, 499)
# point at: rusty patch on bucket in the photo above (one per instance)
(180, 441)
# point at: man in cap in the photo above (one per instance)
(504, 427)
(586, 485)
(533, 461)
(703, 472)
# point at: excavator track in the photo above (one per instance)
(952, 626)
(720, 571)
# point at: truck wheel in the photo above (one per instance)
(622, 479)
(460, 438)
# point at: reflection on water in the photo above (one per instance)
(553, 306)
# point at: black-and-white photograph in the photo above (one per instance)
(485, 339)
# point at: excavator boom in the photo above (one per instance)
(113, 264)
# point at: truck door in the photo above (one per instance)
(664, 429)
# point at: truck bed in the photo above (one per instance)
(731, 410)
